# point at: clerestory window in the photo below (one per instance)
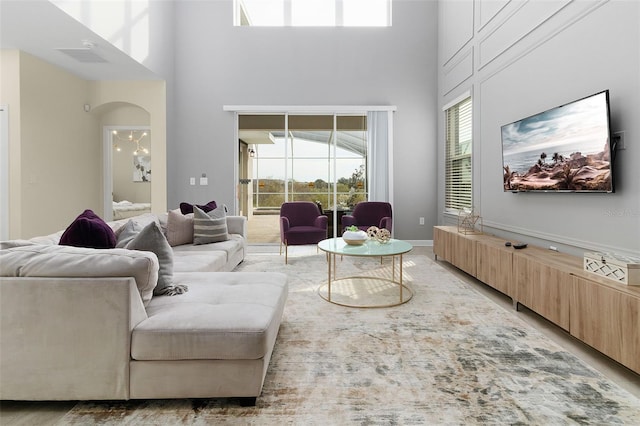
(307, 13)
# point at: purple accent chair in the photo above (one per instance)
(369, 213)
(301, 222)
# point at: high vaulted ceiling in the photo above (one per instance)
(40, 28)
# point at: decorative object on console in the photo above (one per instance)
(468, 221)
(354, 236)
(616, 267)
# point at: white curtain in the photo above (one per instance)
(380, 155)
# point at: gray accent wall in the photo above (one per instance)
(521, 58)
(217, 64)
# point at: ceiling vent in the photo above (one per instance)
(83, 54)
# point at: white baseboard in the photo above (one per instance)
(420, 243)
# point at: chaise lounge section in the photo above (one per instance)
(83, 324)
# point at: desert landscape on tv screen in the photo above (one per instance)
(562, 149)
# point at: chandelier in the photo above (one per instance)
(133, 136)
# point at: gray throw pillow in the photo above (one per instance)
(132, 228)
(209, 227)
(151, 238)
(128, 233)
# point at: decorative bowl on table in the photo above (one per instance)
(354, 238)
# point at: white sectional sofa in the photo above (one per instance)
(82, 324)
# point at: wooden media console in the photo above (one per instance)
(599, 312)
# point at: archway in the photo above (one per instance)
(127, 159)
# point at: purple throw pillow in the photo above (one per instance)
(186, 208)
(88, 230)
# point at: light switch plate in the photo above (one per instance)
(192, 181)
(204, 181)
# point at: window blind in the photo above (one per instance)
(458, 185)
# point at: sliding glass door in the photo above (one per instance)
(302, 157)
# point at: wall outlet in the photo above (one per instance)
(422, 221)
(192, 181)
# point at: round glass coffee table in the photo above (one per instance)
(364, 291)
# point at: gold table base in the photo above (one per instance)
(382, 289)
(352, 288)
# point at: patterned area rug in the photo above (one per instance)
(448, 356)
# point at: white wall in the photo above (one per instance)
(520, 58)
(143, 29)
(10, 96)
(218, 64)
(60, 150)
(56, 161)
(4, 172)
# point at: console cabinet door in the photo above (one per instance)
(494, 267)
(464, 254)
(607, 319)
(544, 289)
(455, 248)
(442, 243)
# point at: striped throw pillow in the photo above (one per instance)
(209, 227)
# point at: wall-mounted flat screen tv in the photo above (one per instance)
(563, 149)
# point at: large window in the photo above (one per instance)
(318, 13)
(458, 178)
(311, 161)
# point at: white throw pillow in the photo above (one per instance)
(179, 228)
